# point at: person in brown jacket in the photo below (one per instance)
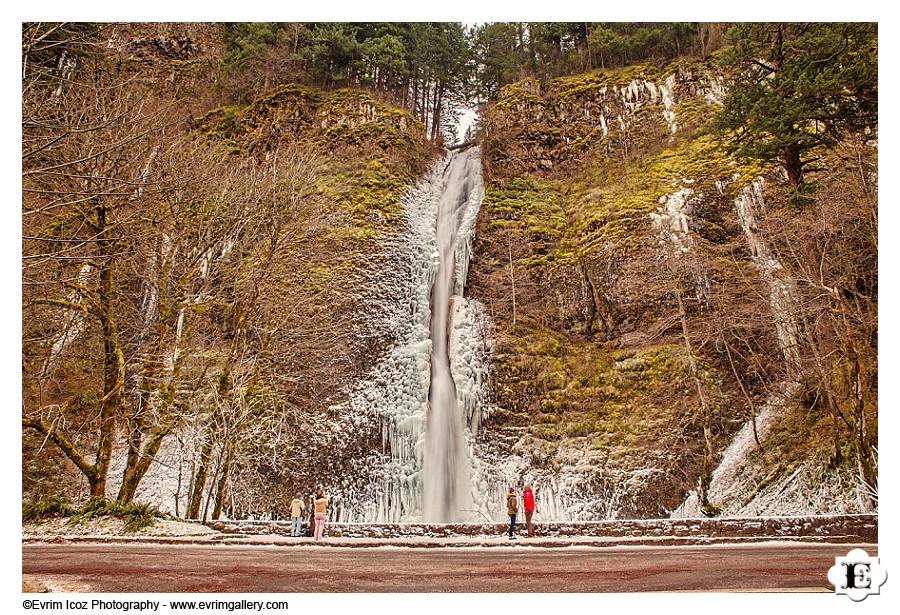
(512, 508)
(296, 514)
(320, 504)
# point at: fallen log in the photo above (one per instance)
(464, 145)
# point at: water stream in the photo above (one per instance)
(429, 386)
(446, 467)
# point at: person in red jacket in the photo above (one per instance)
(528, 501)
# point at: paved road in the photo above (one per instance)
(154, 568)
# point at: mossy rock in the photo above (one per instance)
(293, 112)
(355, 117)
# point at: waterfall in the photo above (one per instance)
(445, 471)
(428, 387)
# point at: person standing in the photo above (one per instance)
(512, 508)
(320, 504)
(296, 515)
(528, 505)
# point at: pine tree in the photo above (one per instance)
(797, 86)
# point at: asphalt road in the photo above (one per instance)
(154, 568)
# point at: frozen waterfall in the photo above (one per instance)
(446, 469)
(428, 387)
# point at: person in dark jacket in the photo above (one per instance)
(528, 505)
(512, 508)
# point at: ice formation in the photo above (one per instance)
(428, 387)
(782, 294)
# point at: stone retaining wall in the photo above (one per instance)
(838, 528)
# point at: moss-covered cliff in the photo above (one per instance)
(635, 332)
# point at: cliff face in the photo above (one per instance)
(535, 126)
(262, 280)
(638, 327)
(664, 329)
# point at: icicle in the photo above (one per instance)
(782, 293)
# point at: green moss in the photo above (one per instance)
(702, 162)
(690, 112)
(365, 197)
(529, 207)
(287, 92)
(354, 117)
(579, 388)
(573, 86)
(221, 122)
(611, 207)
(301, 113)
(519, 96)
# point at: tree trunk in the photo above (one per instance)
(708, 457)
(113, 359)
(196, 497)
(139, 462)
(404, 97)
(64, 445)
(423, 104)
(436, 113)
(414, 96)
(129, 484)
(793, 164)
(224, 477)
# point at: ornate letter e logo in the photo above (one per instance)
(857, 575)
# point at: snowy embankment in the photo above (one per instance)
(820, 528)
(109, 526)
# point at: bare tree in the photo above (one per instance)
(830, 245)
(88, 137)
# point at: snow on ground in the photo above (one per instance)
(108, 526)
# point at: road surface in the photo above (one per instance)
(155, 568)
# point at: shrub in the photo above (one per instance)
(46, 507)
(136, 516)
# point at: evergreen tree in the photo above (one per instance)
(245, 39)
(797, 86)
(499, 56)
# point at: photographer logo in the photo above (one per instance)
(857, 575)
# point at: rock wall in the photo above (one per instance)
(535, 126)
(837, 528)
(640, 314)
